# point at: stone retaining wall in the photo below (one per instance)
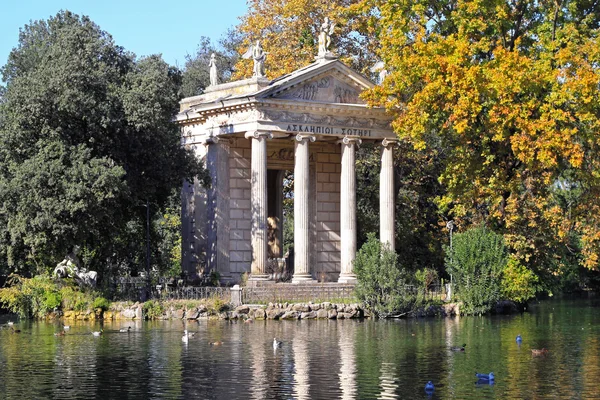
(272, 311)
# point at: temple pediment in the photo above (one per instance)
(324, 89)
(330, 82)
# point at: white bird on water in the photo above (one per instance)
(98, 333)
(185, 336)
(276, 343)
(125, 330)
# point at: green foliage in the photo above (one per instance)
(30, 297)
(52, 300)
(476, 261)
(417, 215)
(426, 277)
(153, 309)
(101, 303)
(167, 256)
(381, 282)
(215, 278)
(216, 305)
(196, 76)
(518, 282)
(86, 141)
(73, 298)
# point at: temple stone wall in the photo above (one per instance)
(328, 212)
(239, 207)
(325, 169)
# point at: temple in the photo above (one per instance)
(250, 134)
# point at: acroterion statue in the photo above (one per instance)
(327, 28)
(214, 80)
(259, 56)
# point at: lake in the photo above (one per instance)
(318, 359)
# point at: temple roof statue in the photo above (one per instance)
(259, 56)
(214, 80)
(325, 33)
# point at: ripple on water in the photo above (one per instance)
(318, 359)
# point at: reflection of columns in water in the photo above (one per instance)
(259, 384)
(258, 181)
(301, 209)
(347, 361)
(388, 381)
(302, 368)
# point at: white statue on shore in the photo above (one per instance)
(71, 267)
(259, 56)
(327, 28)
(214, 79)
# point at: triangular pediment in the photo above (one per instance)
(331, 83)
(325, 89)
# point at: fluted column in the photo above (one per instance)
(258, 173)
(386, 195)
(301, 209)
(348, 209)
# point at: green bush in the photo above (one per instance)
(101, 303)
(30, 297)
(381, 282)
(52, 300)
(476, 262)
(518, 282)
(153, 309)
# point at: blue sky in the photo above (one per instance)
(143, 27)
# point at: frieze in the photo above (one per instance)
(328, 130)
(310, 120)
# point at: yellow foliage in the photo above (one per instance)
(512, 90)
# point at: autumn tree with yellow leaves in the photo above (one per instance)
(510, 90)
(288, 32)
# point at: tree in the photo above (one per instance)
(86, 142)
(510, 90)
(288, 32)
(196, 75)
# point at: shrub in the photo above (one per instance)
(476, 262)
(101, 303)
(153, 309)
(381, 282)
(52, 300)
(426, 277)
(518, 282)
(30, 297)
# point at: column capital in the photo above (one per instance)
(301, 137)
(258, 135)
(390, 142)
(354, 140)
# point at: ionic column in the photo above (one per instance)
(386, 195)
(348, 209)
(301, 208)
(258, 179)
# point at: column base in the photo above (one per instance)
(303, 278)
(347, 278)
